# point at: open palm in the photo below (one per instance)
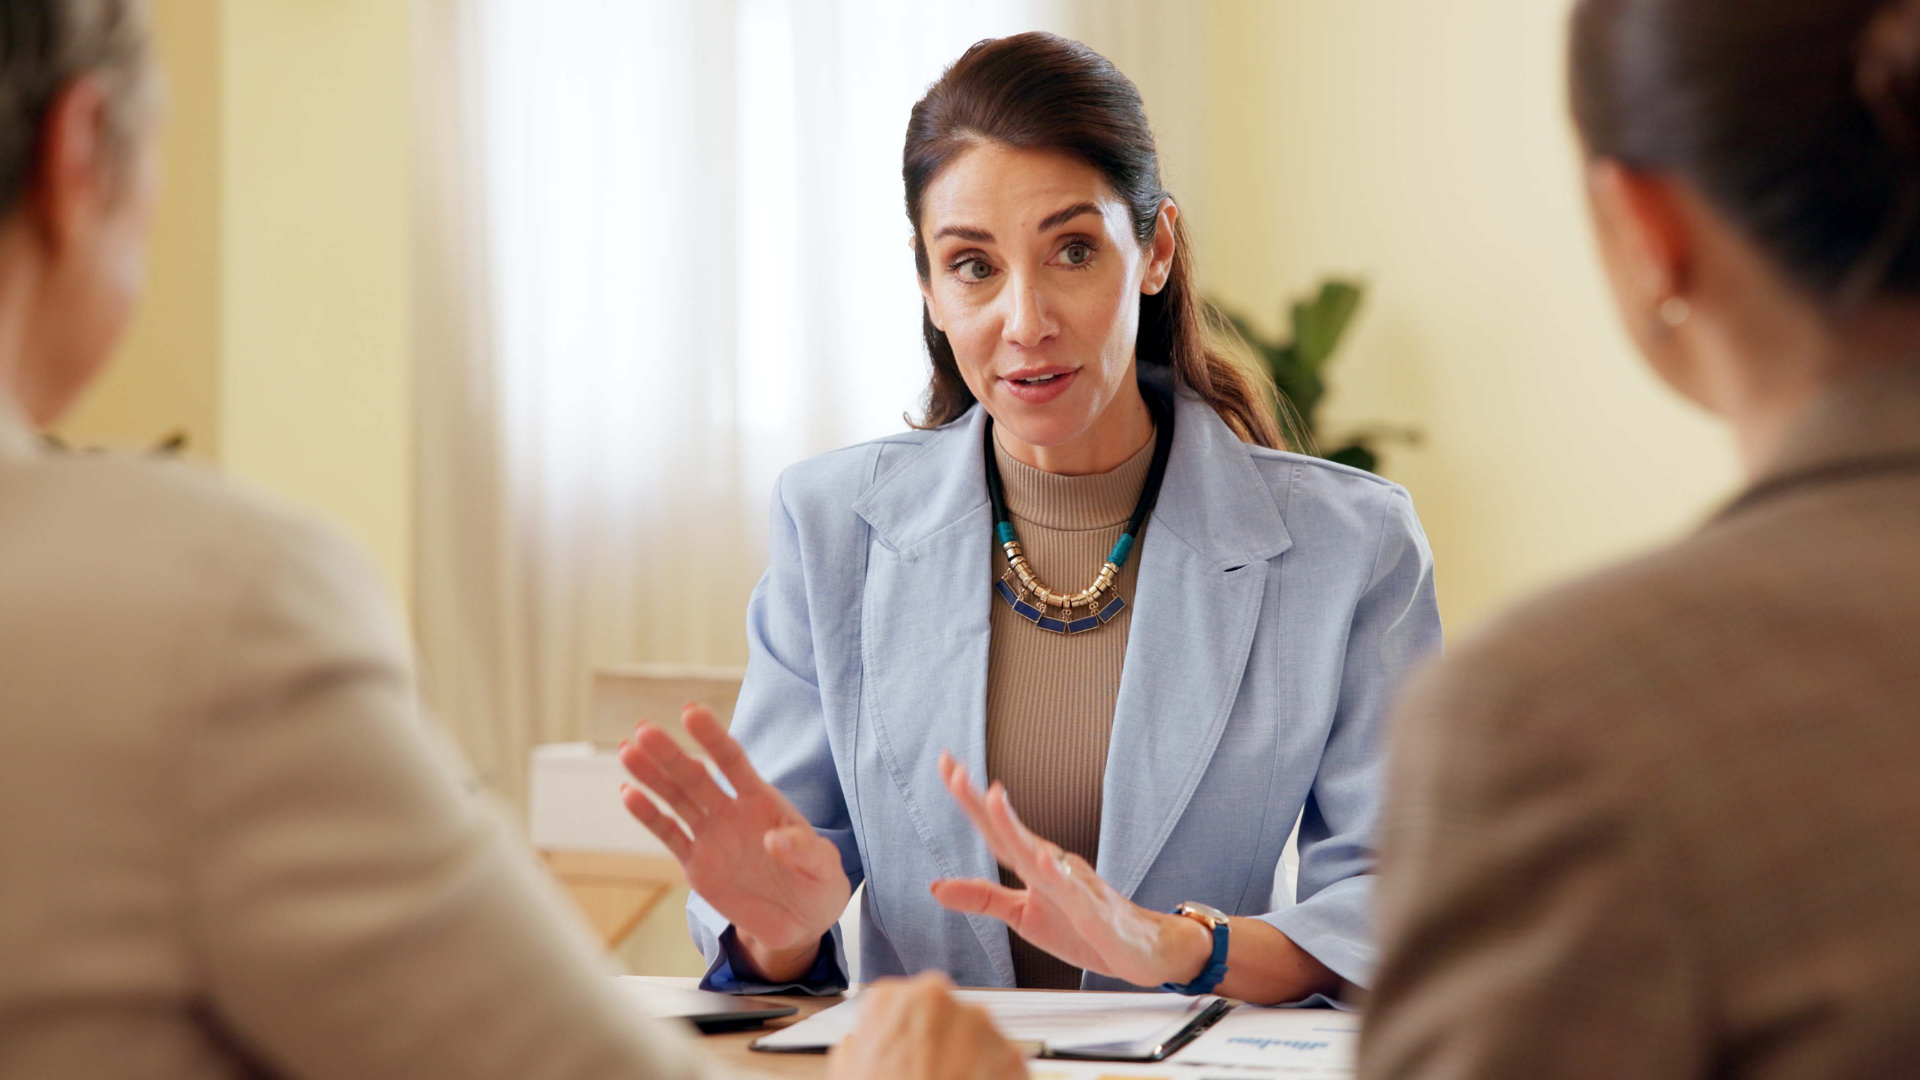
(750, 854)
(1066, 908)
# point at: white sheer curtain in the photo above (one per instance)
(662, 254)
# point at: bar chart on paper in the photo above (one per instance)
(1301, 1044)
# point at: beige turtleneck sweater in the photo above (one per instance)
(1050, 697)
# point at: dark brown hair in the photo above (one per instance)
(1799, 119)
(1039, 91)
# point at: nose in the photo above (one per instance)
(1027, 322)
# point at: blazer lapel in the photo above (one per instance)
(1203, 574)
(925, 634)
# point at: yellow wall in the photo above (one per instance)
(276, 325)
(1425, 147)
(316, 393)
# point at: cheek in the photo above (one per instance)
(1124, 317)
(1103, 318)
(972, 326)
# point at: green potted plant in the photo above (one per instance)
(1299, 370)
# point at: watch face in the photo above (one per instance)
(1212, 913)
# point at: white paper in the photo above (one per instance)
(1300, 1044)
(1061, 1021)
(1167, 1070)
(1103, 1070)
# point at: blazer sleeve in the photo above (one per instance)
(356, 910)
(1396, 623)
(781, 722)
(1530, 921)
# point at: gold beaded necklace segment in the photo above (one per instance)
(1023, 590)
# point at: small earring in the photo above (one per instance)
(1675, 311)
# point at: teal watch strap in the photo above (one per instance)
(1214, 973)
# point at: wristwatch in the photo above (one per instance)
(1216, 970)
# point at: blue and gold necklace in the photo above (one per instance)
(1023, 590)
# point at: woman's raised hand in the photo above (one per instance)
(1066, 908)
(751, 854)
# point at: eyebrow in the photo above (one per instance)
(1051, 222)
(1056, 220)
(965, 232)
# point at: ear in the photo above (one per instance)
(926, 287)
(1160, 256)
(1643, 220)
(72, 175)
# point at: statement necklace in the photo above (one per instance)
(1023, 590)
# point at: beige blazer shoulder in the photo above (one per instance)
(231, 845)
(1663, 822)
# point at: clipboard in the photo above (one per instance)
(1062, 1025)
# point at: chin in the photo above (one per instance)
(1047, 425)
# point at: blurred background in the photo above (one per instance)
(536, 298)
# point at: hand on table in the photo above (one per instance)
(751, 855)
(915, 1030)
(1066, 908)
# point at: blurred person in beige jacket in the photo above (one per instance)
(1665, 822)
(229, 846)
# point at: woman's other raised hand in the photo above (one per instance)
(750, 854)
(1066, 908)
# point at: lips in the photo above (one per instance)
(1039, 386)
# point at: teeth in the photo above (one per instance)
(1041, 381)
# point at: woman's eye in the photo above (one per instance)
(974, 270)
(1077, 254)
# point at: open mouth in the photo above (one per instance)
(1041, 387)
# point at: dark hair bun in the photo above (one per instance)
(1799, 119)
(1889, 74)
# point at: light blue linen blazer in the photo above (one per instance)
(1280, 600)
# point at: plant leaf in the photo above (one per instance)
(1319, 324)
(1358, 455)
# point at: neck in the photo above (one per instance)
(16, 289)
(1766, 392)
(1118, 433)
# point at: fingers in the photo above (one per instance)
(1039, 858)
(725, 751)
(1040, 863)
(660, 825)
(917, 1028)
(1005, 845)
(1050, 867)
(682, 782)
(886, 1017)
(917, 998)
(1019, 849)
(972, 896)
(646, 770)
(685, 770)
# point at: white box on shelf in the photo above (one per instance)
(573, 803)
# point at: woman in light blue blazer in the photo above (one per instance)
(1258, 609)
